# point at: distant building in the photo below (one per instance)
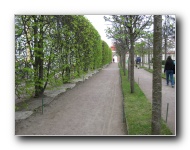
(169, 53)
(113, 48)
(145, 58)
(114, 54)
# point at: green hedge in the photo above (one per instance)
(52, 50)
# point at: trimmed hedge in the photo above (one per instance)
(52, 50)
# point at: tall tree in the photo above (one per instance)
(149, 43)
(140, 50)
(157, 70)
(129, 28)
(118, 34)
(148, 39)
(39, 54)
(135, 24)
(52, 50)
(168, 33)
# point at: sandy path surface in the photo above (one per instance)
(93, 107)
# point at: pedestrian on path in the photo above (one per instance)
(168, 69)
(138, 61)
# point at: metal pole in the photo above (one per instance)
(167, 112)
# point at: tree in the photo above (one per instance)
(39, 54)
(147, 37)
(135, 24)
(149, 43)
(157, 70)
(168, 33)
(128, 28)
(52, 50)
(140, 50)
(118, 34)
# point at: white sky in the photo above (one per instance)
(100, 24)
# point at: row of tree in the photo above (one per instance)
(126, 29)
(132, 33)
(52, 50)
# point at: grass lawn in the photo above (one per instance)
(138, 110)
(151, 71)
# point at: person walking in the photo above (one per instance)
(168, 69)
(138, 61)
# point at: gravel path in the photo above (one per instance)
(93, 107)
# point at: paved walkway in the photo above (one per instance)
(93, 107)
(144, 79)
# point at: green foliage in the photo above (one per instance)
(52, 50)
(106, 53)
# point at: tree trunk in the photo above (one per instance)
(36, 63)
(41, 58)
(132, 62)
(120, 60)
(129, 66)
(148, 55)
(48, 71)
(142, 65)
(149, 58)
(123, 61)
(165, 38)
(38, 45)
(157, 84)
(165, 46)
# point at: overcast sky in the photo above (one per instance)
(100, 25)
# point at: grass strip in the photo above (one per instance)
(151, 71)
(138, 110)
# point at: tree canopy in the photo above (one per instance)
(54, 49)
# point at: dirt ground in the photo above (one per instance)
(93, 107)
